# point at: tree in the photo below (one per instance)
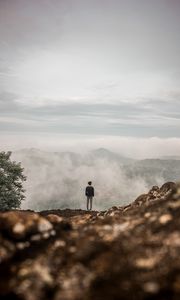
(11, 182)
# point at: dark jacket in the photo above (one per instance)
(89, 191)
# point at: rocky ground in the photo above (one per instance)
(130, 252)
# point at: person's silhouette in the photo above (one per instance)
(89, 192)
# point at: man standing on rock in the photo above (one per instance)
(89, 192)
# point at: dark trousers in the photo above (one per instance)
(89, 202)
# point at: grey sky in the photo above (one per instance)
(99, 67)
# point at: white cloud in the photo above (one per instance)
(67, 62)
(50, 77)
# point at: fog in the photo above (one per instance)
(79, 75)
(58, 180)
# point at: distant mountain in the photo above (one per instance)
(170, 157)
(112, 156)
(154, 169)
(100, 153)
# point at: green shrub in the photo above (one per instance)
(11, 182)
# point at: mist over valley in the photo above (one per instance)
(57, 180)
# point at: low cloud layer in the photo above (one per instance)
(145, 118)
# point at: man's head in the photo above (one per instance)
(89, 182)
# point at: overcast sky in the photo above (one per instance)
(89, 69)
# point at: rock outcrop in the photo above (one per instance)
(129, 252)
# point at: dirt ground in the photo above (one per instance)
(130, 252)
